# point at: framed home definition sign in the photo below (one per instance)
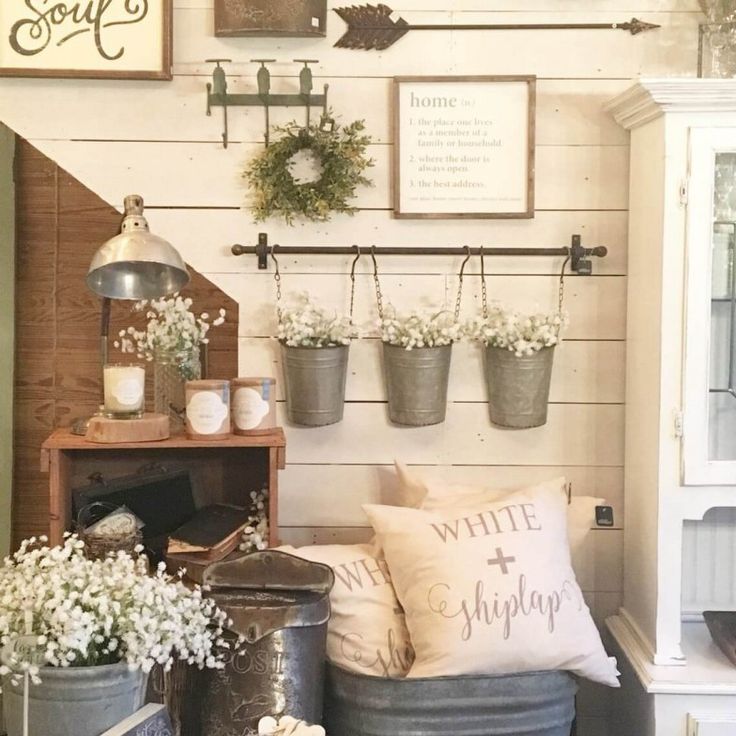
(93, 39)
(464, 147)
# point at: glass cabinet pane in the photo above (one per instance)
(722, 379)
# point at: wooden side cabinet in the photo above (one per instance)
(223, 471)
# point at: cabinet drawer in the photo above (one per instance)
(711, 724)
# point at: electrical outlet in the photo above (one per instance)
(604, 516)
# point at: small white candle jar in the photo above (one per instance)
(253, 405)
(208, 409)
(125, 391)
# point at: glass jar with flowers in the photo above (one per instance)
(417, 349)
(519, 352)
(172, 341)
(80, 635)
(314, 352)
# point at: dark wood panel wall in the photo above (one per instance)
(60, 224)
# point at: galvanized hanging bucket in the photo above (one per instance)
(416, 384)
(518, 386)
(535, 704)
(315, 384)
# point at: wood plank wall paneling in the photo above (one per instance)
(60, 225)
(173, 156)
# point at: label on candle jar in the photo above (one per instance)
(128, 392)
(206, 412)
(249, 408)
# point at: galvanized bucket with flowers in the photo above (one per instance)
(172, 341)
(519, 354)
(417, 350)
(80, 636)
(314, 354)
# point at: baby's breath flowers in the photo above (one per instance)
(519, 333)
(305, 324)
(419, 329)
(255, 534)
(172, 328)
(88, 612)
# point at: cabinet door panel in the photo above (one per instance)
(710, 357)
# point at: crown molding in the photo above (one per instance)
(651, 98)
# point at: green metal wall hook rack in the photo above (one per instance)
(218, 96)
(578, 255)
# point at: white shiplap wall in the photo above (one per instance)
(154, 139)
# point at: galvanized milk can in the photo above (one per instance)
(280, 605)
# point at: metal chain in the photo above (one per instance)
(459, 299)
(352, 281)
(561, 292)
(561, 289)
(379, 295)
(483, 287)
(277, 279)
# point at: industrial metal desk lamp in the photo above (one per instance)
(136, 264)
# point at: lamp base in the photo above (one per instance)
(149, 428)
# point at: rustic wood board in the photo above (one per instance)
(149, 428)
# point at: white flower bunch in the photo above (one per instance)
(255, 534)
(172, 328)
(419, 329)
(305, 324)
(520, 333)
(87, 612)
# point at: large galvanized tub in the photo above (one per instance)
(279, 605)
(535, 704)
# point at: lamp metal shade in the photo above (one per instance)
(136, 264)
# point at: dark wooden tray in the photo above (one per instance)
(722, 627)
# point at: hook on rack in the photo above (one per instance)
(218, 87)
(263, 80)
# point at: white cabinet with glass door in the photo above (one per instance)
(680, 458)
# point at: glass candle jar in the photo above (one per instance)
(208, 409)
(124, 391)
(253, 405)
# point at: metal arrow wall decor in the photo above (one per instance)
(375, 27)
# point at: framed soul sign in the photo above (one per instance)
(95, 39)
(464, 147)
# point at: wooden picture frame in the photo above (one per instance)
(64, 39)
(464, 147)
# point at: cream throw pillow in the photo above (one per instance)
(489, 589)
(416, 492)
(367, 630)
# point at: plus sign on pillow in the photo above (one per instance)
(489, 588)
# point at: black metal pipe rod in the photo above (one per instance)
(239, 250)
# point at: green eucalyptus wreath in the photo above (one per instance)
(340, 150)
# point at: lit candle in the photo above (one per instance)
(124, 391)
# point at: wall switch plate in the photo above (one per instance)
(604, 515)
